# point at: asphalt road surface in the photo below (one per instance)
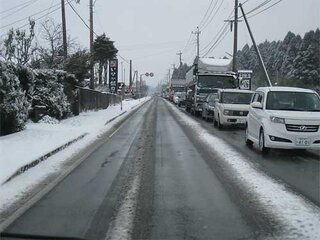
(153, 179)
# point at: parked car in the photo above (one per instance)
(284, 117)
(231, 107)
(179, 98)
(208, 107)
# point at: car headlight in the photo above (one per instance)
(277, 120)
(227, 112)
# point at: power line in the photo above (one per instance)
(265, 9)
(257, 7)
(206, 16)
(23, 19)
(219, 32)
(212, 17)
(17, 6)
(218, 40)
(19, 9)
(75, 11)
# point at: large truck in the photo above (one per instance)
(206, 76)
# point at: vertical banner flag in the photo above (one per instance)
(113, 75)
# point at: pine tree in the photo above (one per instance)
(306, 66)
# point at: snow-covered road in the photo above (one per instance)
(19, 149)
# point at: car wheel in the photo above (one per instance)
(220, 125)
(262, 147)
(249, 143)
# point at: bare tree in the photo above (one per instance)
(51, 55)
(18, 45)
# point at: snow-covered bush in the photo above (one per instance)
(13, 102)
(48, 120)
(49, 92)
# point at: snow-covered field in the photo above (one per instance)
(299, 218)
(19, 149)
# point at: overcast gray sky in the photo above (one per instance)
(151, 32)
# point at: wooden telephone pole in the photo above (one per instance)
(91, 46)
(64, 30)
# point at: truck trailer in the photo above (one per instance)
(207, 75)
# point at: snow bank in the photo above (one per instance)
(21, 148)
(299, 218)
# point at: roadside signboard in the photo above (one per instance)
(113, 75)
(244, 78)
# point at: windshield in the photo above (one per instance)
(236, 98)
(178, 89)
(217, 81)
(293, 101)
(205, 90)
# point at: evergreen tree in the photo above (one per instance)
(14, 106)
(103, 50)
(306, 65)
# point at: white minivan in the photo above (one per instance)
(231, 107)
(284, 117)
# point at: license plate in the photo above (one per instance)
(302, 142)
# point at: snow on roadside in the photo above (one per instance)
(299, 218)
(23, 147)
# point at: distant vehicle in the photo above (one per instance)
(206, 76)
(231, 107)
(208, 107)
(284, 117)
(179, 98)
(170, 98)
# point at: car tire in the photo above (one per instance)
(215, 123)
(263, 149)
(220, 125)
(249, 143)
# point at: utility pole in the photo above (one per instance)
(121, 71)
(256, 47)
(130, 75)
(235, 38)
(197, 32)
(64, 30)
(235, 35)
(180, 54)
(91, 46)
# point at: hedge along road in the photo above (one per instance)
(153, 179)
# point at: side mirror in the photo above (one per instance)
(256, 105)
